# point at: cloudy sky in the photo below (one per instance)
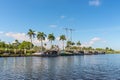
(96, 22)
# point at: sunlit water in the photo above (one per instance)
(88, 67)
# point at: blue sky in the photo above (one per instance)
(96, 22)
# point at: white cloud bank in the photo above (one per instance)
(62, 17)
(23, 37)
(18, 36)
(1, 32)
(92, 42)
(94, 2)
(53, 26)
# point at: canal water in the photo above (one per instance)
(87, 67)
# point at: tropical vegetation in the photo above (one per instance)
(63, 38)
(41, 36)
(27, 47)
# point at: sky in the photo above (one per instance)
(96, 23)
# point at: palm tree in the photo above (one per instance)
(31, 35)
(63, 38)
(41, 36)
(51, 38)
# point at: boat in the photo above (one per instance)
(46, 54)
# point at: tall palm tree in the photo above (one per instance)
(51, 38)
(63, 38)
(41, 36)
(31, 35)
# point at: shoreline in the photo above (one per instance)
(23, 55)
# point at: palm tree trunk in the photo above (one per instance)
(63, 45)
(41, 45)
(31, 44)
(51, 44)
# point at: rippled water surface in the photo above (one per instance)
(88, 67)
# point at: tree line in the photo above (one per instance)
(41, 36)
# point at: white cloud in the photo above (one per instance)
(62, 17)
(96, 39)
(37, 42)
(18, 36)
(1, 32)
(53, 26)
(58, 38)
(104, 41)
(94, 2)
(23, 37)
(91, 42)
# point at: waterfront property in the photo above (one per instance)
(27, 48)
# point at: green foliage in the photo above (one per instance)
(25, 45)
(30, 52)
(41, 36)
(2, 44)
(31, 33)
(78, 43)
(74, 47)
(69, 43)
(51, 37)
(99, 49)
(37, 48)
(72, 43)
(15, 44)
(62, 37)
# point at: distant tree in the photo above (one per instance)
(90, 48)
(111, 49)
(41, 36)
(15, 44)
(106, 49)
(63, 38)
(78, 43)
(72, 43)
(45, 44)
(69, 43)
(25, 45)
(31, 35)
(2, 44)
(99, 49)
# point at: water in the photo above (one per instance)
(88, 67)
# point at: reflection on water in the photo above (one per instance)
(105, 67)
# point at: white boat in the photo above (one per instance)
(38, 53)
